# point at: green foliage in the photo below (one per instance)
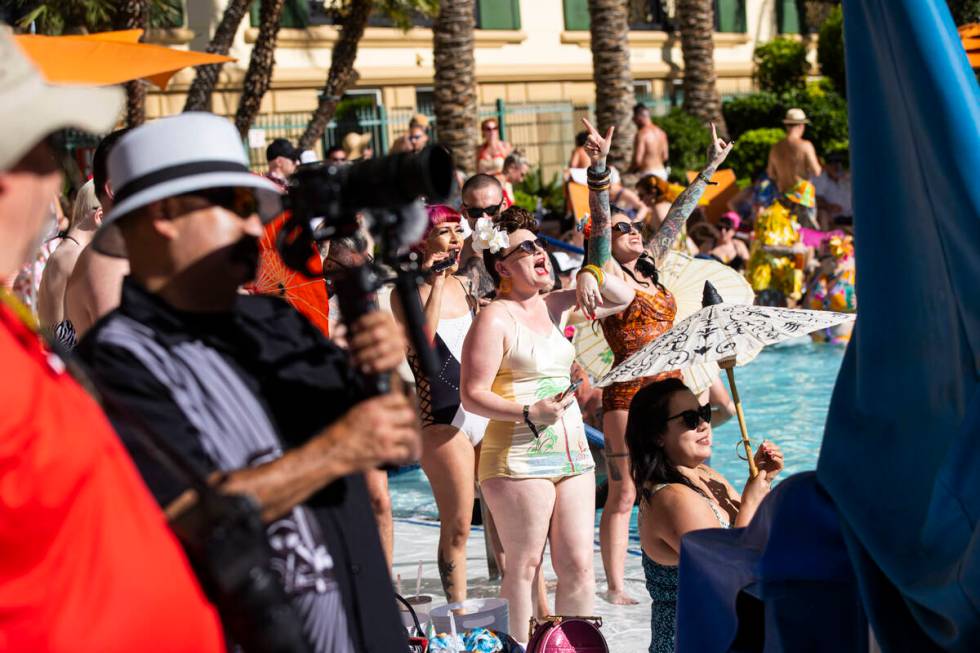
(780, 65)
(402, 13)
(552, 194)
(55, 17)
(689, 139)
(751, 152)
(826, 110)
(830, 50)
(964, 11)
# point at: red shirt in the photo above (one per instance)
(87, 562)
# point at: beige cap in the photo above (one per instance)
(355, 143)
(419, 119)
(31, 108)
(795, 117)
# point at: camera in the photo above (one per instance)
(324, 200)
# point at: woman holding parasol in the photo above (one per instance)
(669, 439)
(616, 249)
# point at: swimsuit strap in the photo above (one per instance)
(711, 504)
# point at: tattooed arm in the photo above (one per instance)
(600, 247)
(682, 207)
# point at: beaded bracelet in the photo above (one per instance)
(596, 272)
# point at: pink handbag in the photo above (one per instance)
(566, 635)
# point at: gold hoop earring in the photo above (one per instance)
(504, 286)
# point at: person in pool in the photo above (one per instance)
(669, 438)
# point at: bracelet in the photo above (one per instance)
(597, 188)
(598, 175)
(706, 180)
(527, 420)
(596, 272)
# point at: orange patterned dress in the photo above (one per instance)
(643, 321)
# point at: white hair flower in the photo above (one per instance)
(487, 236)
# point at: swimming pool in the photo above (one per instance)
(785, 394)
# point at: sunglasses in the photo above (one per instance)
(490, 128)
(725, 226)
(693, 418)
(240, 201)
(476, 211)
(526, 246)
(625, 227)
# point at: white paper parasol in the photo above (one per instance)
(727, 334)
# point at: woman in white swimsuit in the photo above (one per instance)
(450, 435)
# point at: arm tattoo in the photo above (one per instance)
(600, 246)
(677, 216)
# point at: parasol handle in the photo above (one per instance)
(729, 367)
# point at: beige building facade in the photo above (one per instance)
(528, 52)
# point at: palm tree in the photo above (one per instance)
(696, 22)
(259, 75)
(455, 80)
(614, 95)
(134, 14)
(199, 95)
(342, 75)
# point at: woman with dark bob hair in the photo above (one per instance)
(669, 439)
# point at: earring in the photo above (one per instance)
(504, 286)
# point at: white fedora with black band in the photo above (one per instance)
(173, 156)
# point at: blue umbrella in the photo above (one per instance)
(901, 453)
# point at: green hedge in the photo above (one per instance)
(830, 50)
(689, 139)
(781, 65)
(826, 110)
(751, 152)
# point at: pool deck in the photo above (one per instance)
(626, 628)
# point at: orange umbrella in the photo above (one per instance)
(308, 296)
(108, 58)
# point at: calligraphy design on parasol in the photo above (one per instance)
(726, 334)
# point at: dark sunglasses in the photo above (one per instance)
(526, 246)
(726, 226)
(625, 227)
(240, 201)
(693, 418)
(490, 128)
(476, 211)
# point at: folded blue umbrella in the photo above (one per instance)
(901, 451)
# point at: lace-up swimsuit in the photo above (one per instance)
(439, 401)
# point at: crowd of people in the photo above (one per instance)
(145, 292)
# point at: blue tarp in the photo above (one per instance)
(901, 452)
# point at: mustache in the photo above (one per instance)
(246, 252)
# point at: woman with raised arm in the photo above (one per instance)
(615, 246)
(669, 439)
(536, 471)
(450, 435)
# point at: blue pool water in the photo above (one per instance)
(785, 394)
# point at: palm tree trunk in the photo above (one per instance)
(259, 75)
(455, 80)
(696, 22)
(614, 95)
(342, 74)
(134, 14)
(199, 95)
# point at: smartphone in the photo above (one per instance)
(569, 390)
(444, 264)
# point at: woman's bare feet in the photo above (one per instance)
(619, 598)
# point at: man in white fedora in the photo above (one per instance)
(792, 163)
(87, 562)
(244, 385)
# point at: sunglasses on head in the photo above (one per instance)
(526, 246)
(240, 201)
(476, 211)
(625, 227)
(693, 418)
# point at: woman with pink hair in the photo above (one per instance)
(450, 435)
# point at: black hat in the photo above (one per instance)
(281, 147)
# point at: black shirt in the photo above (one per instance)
(230, 390)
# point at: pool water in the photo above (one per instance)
(785, 395)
